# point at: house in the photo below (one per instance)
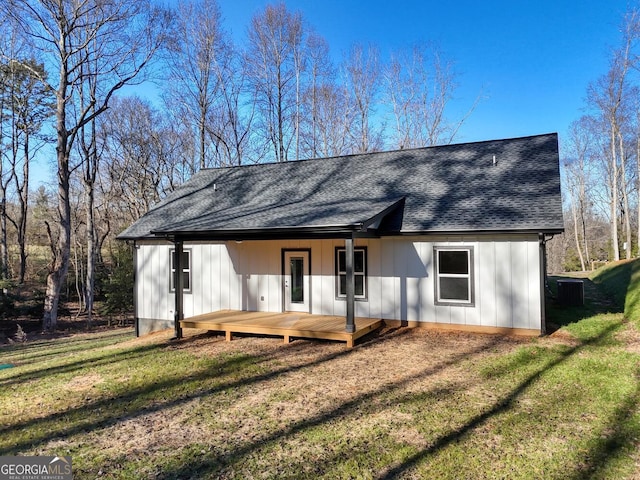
(447, 237)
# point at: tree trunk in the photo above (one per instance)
(62, 248)
(78, 273)
(297, 67)
(638, 186)
(625, 198)
(24, 210)
(91, 255)
(281, 154)
(583, 203)
(614, 195)
(4, 250)
(202, 134)
(576, 234)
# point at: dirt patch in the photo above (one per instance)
(409, 436)
(630, 337)
(162, 336)
(564, 337)
(151, 432)
(84, 382)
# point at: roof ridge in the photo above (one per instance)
(376, 153)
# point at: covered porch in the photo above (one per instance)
(287, 325)
(295, 317)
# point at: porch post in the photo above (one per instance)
(178, 283)
(543, 282)
(135, 287)
(351, 287)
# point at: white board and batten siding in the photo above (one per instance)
(400, 279)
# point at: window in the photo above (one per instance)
(186, 270)
(359, 272)
(454, 275)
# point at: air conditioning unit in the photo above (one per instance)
(571, 292)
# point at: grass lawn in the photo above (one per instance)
(403, 404)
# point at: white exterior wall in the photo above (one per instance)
(247, 276)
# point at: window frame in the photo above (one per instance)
(470, 276)
(172, 287)
(364, 274)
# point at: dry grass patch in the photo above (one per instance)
(84, 382)
(629, 336)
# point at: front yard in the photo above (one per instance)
(403, 404)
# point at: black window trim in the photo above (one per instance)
(190, 270)
(365, 275)
(436, 276)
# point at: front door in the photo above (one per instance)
(296, 281)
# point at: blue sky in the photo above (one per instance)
(530, 60)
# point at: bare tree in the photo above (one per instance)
(67, 33)
(577, 169)
(362, 71)
(8, 149)
(624, 194)
(230, 122)
(607, 95)
(419, 86)
(89, 162)
(28, 104)
(144, 158)
(637, 186)
(320, 78)
(332, 121)
(274, 59)
(6, 176)
(198, 52)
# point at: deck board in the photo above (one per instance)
(288, 325)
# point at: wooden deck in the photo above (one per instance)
(288, 325)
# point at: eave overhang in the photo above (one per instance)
(484, 231)
(366, 228)
(273, 233)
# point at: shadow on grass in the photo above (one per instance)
(614, 280)
(506, 403)
(220, 464)
(41, 349)
(212, 466)
(632, 300)
(107, 358)
(159, 396)
(109, 411)
(617, 440)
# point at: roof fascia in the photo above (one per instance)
(321, 233)
(292, 233)
(549, 231)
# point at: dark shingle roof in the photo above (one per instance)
(452, 188)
